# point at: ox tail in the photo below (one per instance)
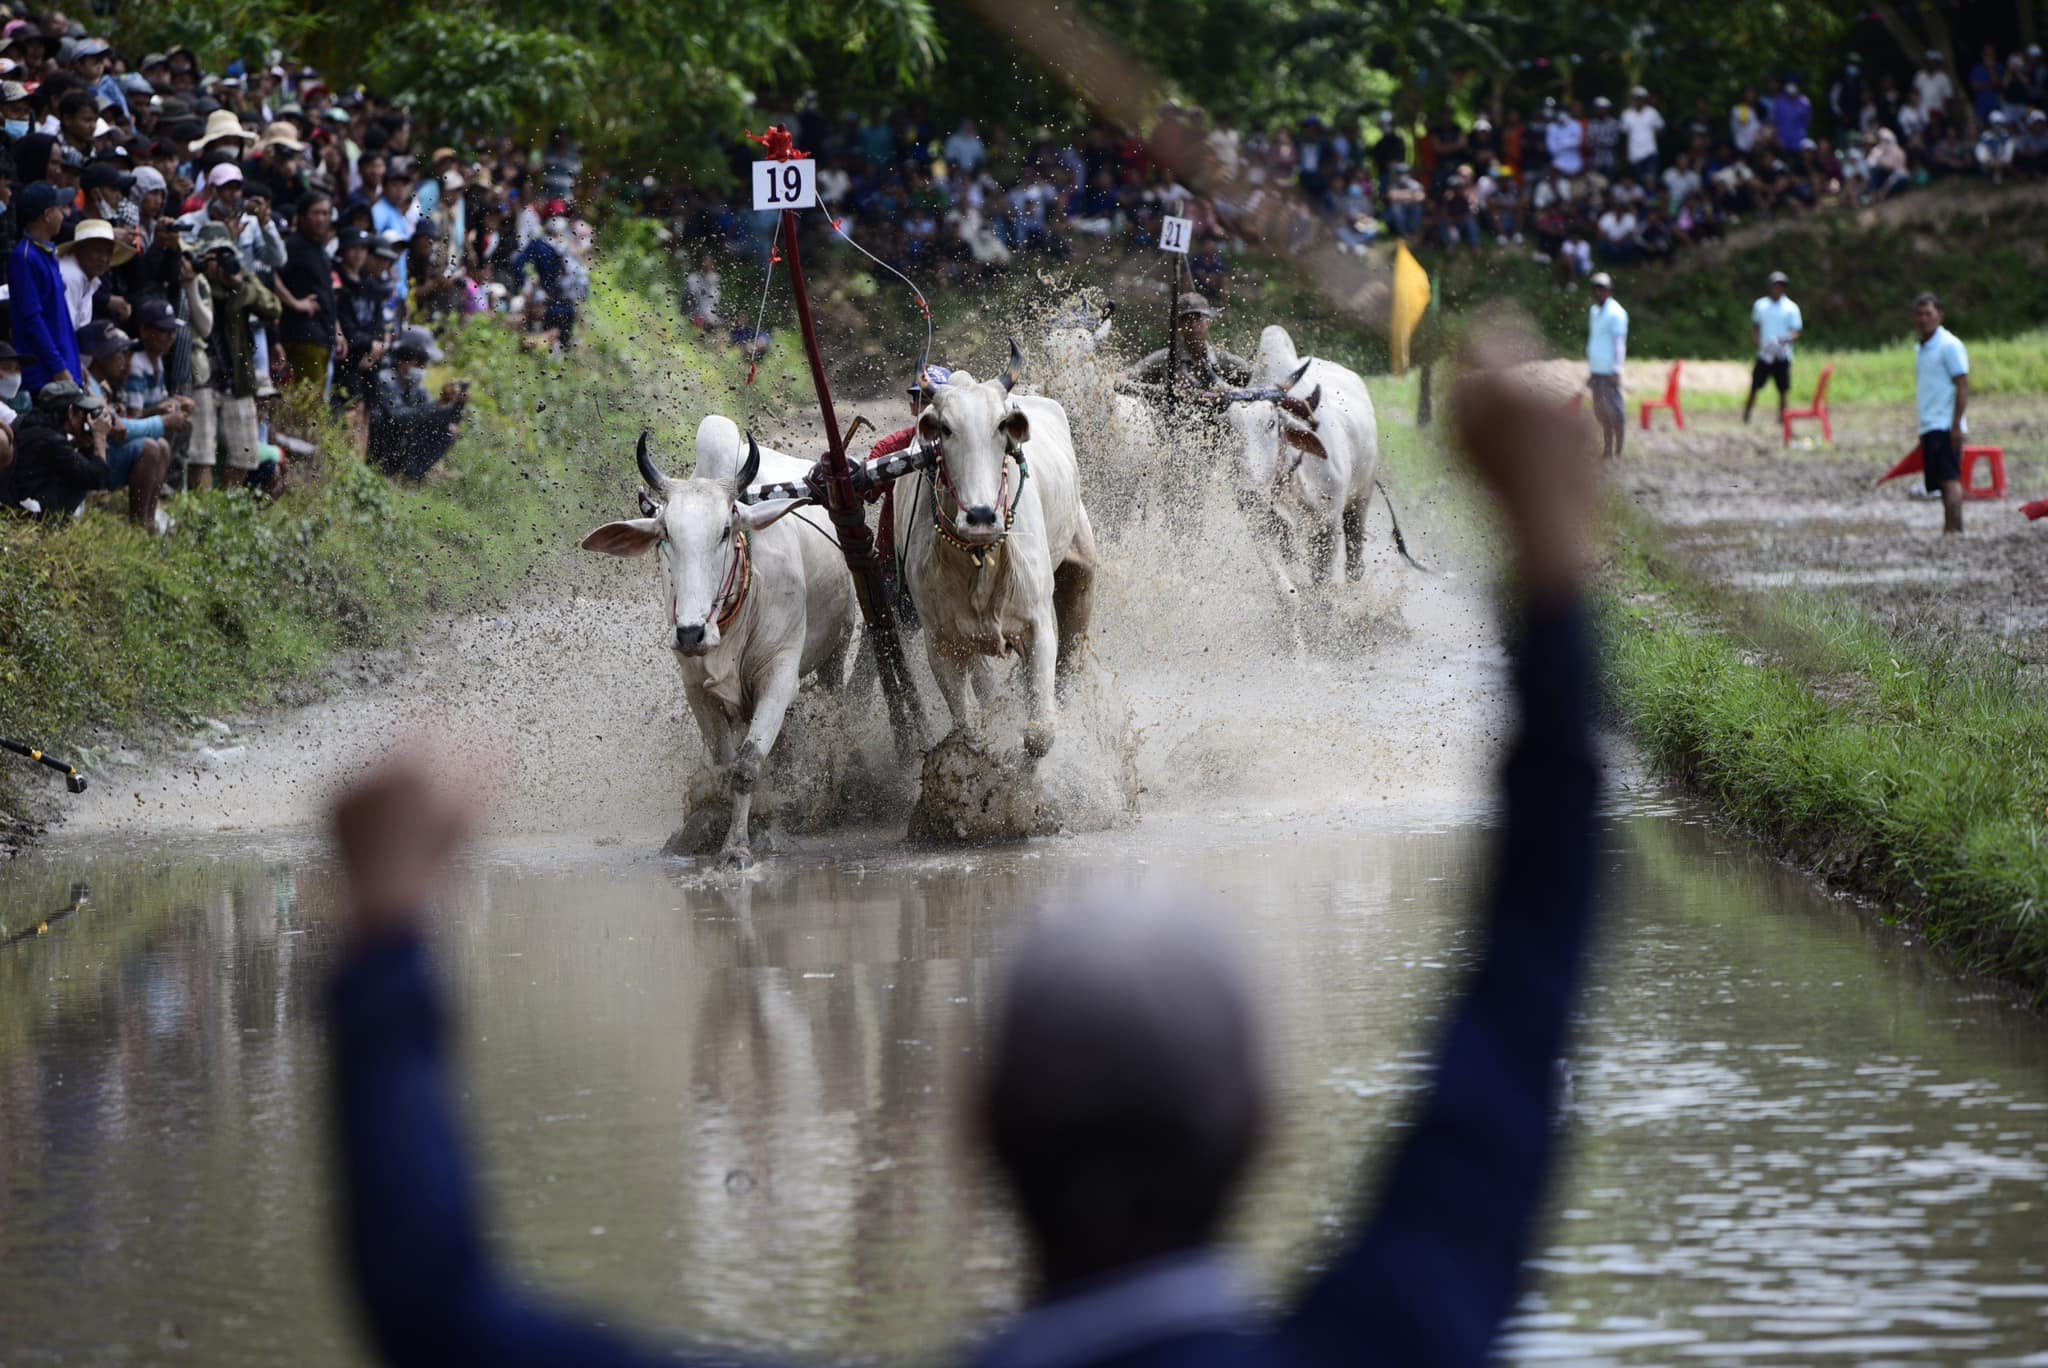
(1400, 542)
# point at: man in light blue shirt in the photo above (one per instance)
(1944, 369)
(1775, 323)
(1606, 351)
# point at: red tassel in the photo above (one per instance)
(777, 143)
(752, 367)
(775, 258)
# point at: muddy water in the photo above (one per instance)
(725, 1109)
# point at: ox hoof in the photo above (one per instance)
(1038, 740)
(735, 857)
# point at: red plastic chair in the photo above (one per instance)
(1670, 399)
(1819, 409)
(1991, 456)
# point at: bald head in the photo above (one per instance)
(1124, 1091)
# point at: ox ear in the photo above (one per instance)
(1015, 426)
(634, 537)
(1303, 409)
(1102, 328)
(755, 516)
(928, 426)
(1304, 441)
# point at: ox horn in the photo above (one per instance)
(751, 468)
(924, 359)
(1295, 378)
(649, 471)
(1109, 311)
(1013, 372)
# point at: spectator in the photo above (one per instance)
(1405, 201)
(1986, 83)
(138, 448)
(1566, 142)
(409, 430)
(1617, 228)
(548, 256)
(153, 386)
(359, 299)
(43, 330)
(311, 326)
(106, 188)
(83, 263)
(1791, 117)
(1642, 123)
(1847, 97)
(1745, 121)
(1887, 164)
(60, 452)
(1932, 88)
(2030, 155)
(965, 150)
(1389, 150)
(703, 286)
(1604, 136)
(224, 420)
(13, 403)
(1996, 149)
(392, 214)
(1775, 323)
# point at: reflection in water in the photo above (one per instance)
(713, 1108)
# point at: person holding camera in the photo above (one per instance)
(410, 430)
(225, 417)
(60, 452)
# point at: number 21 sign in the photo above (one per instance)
(1174, 234)
(786, 184)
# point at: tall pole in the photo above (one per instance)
(850, 522)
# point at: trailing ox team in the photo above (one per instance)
(992, 541)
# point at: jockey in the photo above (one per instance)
(922, 388)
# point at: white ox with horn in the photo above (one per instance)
(756, 602)
(997, 548)
(1309, 449)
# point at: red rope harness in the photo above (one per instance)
(740, 571)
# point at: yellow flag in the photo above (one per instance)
(1411, 301)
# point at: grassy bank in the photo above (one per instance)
(1906, 768)
(108, 636)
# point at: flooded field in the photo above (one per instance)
(725, 1106)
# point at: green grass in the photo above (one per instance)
(108, 635)
(1999, 366)
(1909, 768)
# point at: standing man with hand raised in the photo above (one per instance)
(1775, 324)
(1606, 351)
(1944, 374)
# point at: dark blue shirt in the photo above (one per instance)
(42, 323)
(1428, 1278)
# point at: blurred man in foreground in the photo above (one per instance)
(1124, 1094)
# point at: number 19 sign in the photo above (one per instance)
(1174, 234)
(786, 184)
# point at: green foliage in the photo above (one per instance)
(218, 31)
(463, 69)
(1907, 767)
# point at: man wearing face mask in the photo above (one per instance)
(16, 115)
(410, 431)
(43, 331)
(13, 403)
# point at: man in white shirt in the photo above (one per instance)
(1944, 392)
(1566, 141)
(1606, 353)
(1618, 233)
(1932, 88)
(1775, 324)
(1640, 124)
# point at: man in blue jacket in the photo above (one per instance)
(1122, 1096)
(42, 324)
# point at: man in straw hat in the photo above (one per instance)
(83, 264)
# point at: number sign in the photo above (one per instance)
(1174, 234)
(786, 185)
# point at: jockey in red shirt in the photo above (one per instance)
(922, 388)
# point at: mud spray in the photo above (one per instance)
(1204, 689)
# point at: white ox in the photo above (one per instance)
(1310, 447)
(1082, 375)
(997, 548)
(756, 602)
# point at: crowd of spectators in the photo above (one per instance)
(183, 250)
(1579, 182)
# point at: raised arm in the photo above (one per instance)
(1436, 1266)
(413, 1240)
